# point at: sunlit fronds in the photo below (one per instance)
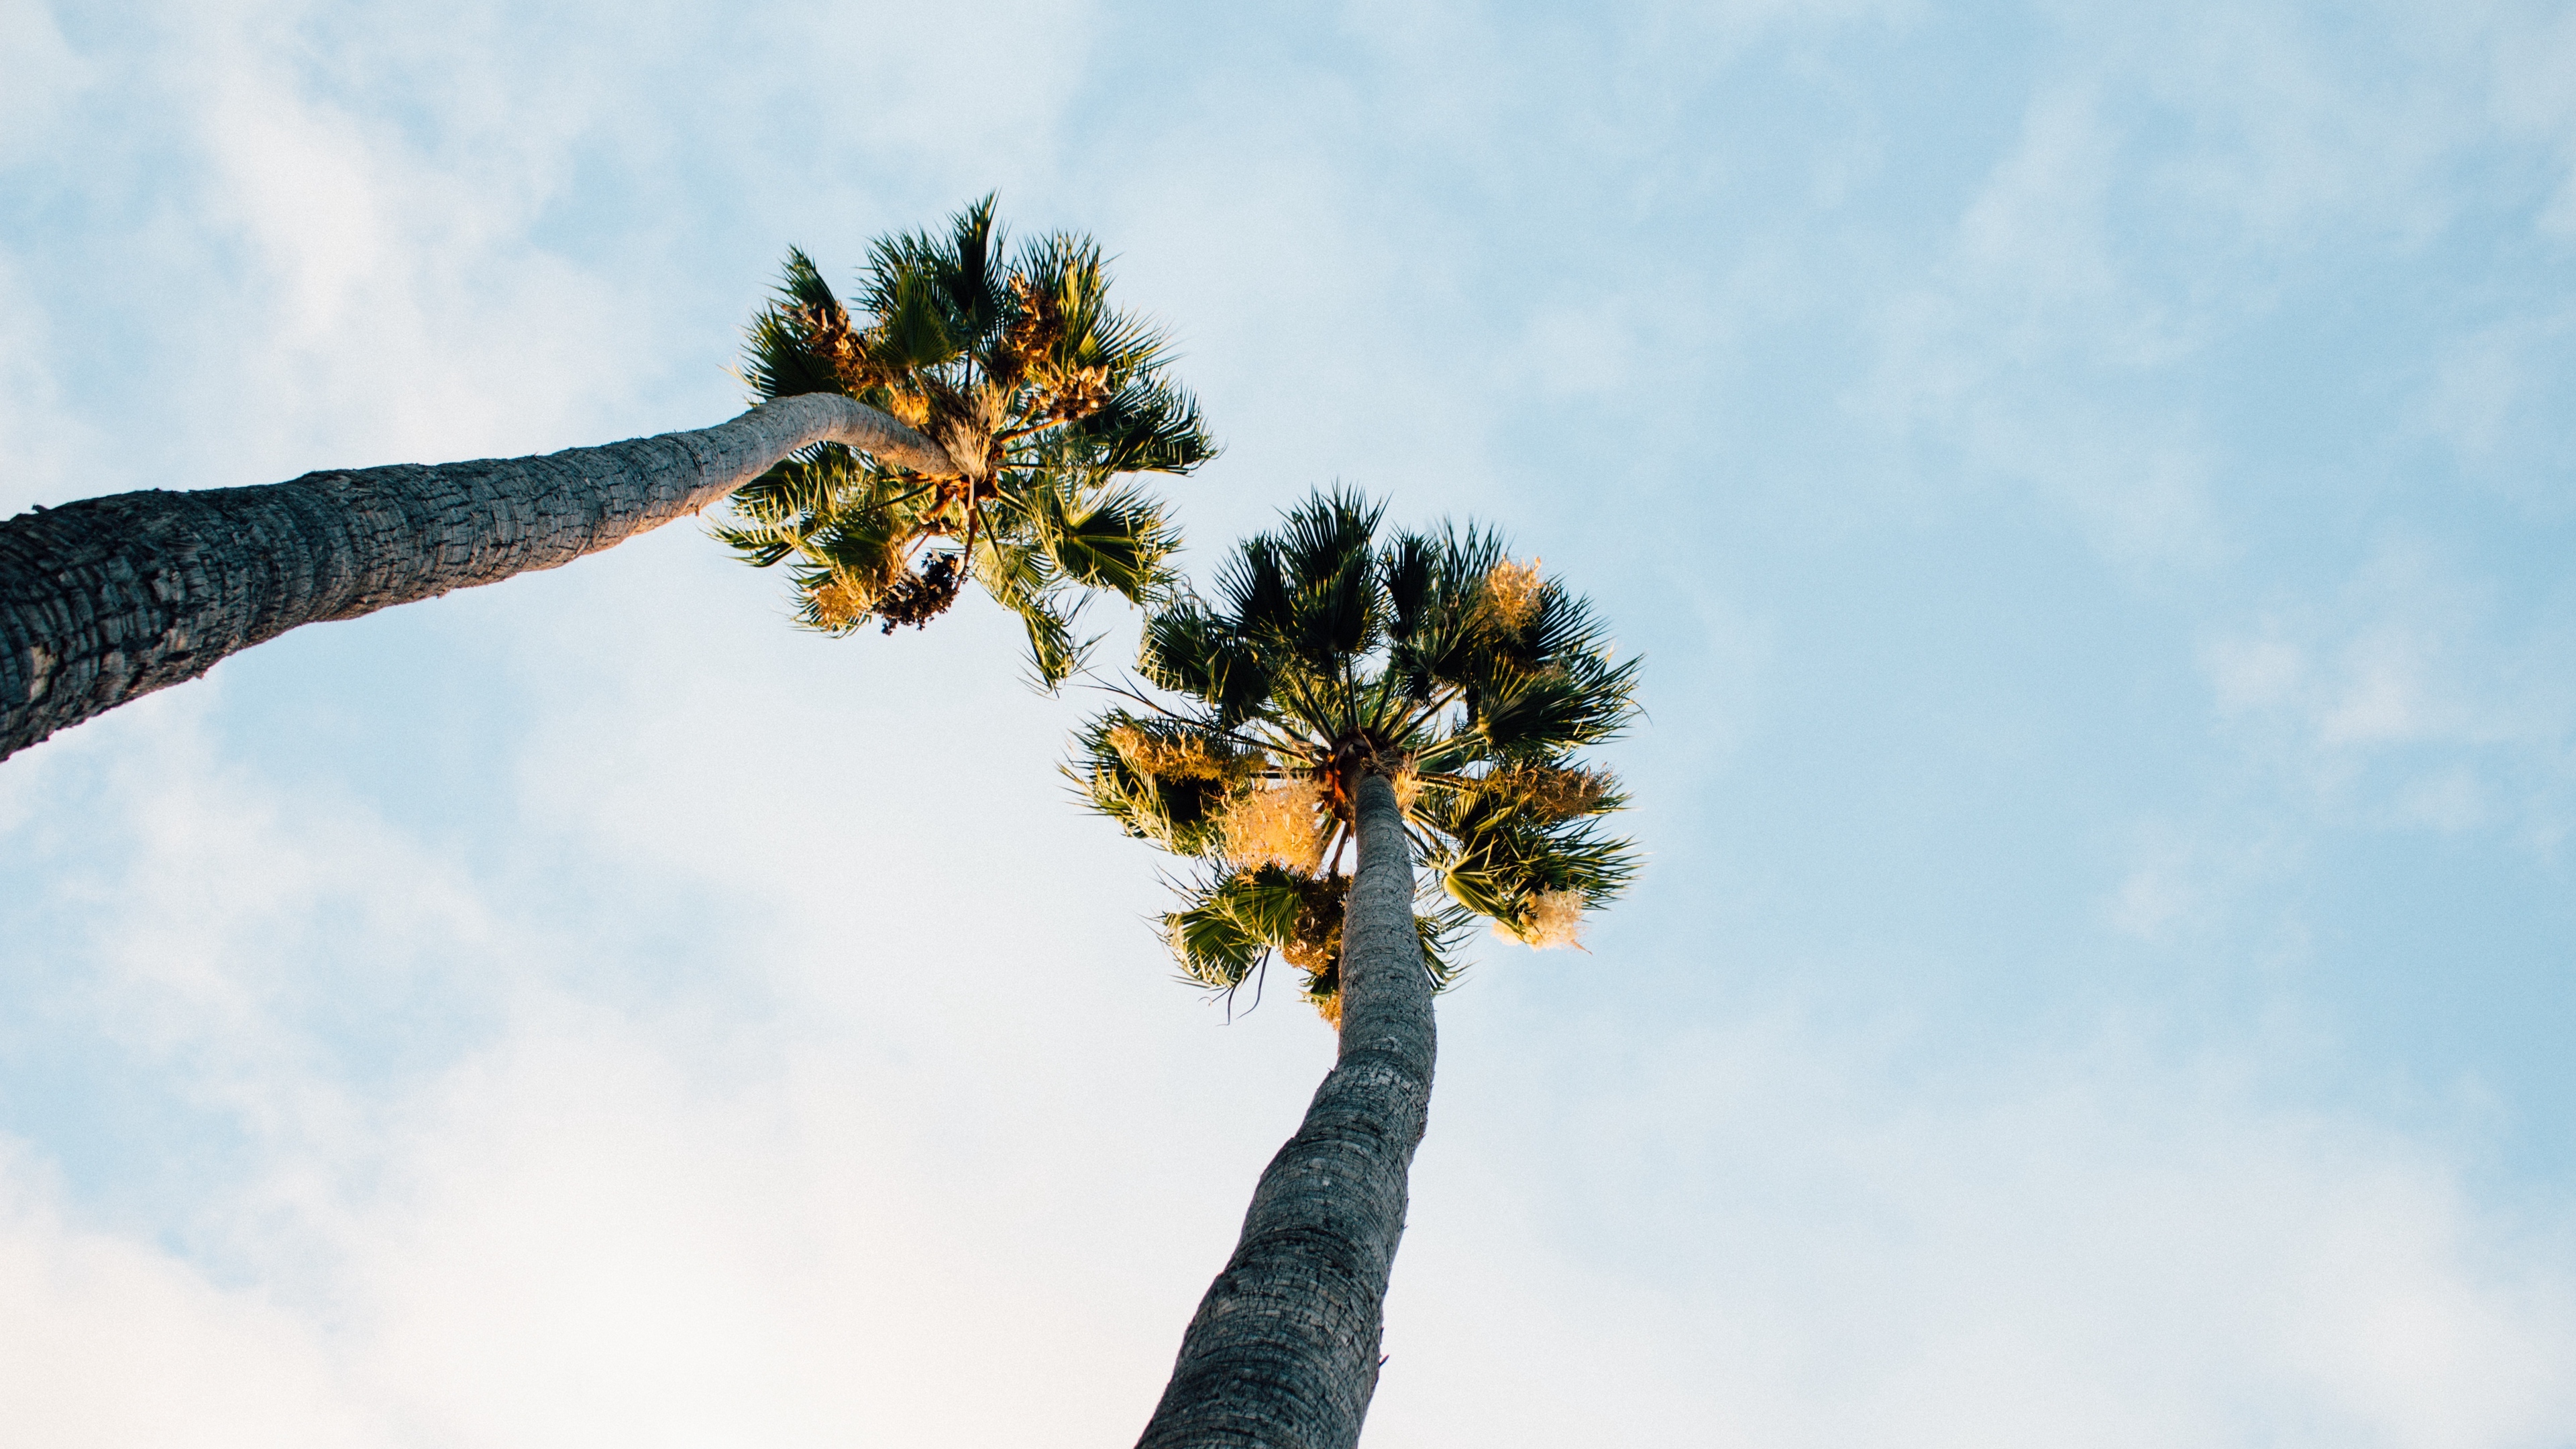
(1144, 427)
(1045, 393)
(1180, 811)
(1443, 632)
(1282, 825)
(1175, 752)
(1526, 713)
(1231, 920)
(1120, 542)
(1465, 676)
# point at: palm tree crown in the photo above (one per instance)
(1465, 676)
(1041, 393)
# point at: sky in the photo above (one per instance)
(2091, 486)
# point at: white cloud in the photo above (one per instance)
(2495, 397)
(2534, 94)
(2412, 696)
(2033, 335)
(108, 1341)
(1769, 1237)
(44, 445)
(43, 75)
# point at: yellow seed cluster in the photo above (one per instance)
(1556, 794)
(842, 602)
(1512, 592)
(1554, 918)
(1185, 758)
(1407, 784)
(1280, 825)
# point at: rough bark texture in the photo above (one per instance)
(1283, 1351)
(111, 598)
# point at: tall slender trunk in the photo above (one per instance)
(1283, 1351)
(111, 598)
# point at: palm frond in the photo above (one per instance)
(1147, 426)
(1119, 542)
(779, 359)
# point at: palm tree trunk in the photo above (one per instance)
(111, 598)
(1283, 1351)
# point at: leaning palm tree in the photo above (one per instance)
(1417, 701)
(108, 599)
(1043, 395)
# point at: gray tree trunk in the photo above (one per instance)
(111, 598)
(1283, 1351)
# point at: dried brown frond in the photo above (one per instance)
(1188, 757)
(1277, 825)
(828, 335)
(1552, 918)
(1512, 593)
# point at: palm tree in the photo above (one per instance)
(1041, 392)
(1417, 701)
(108, 599)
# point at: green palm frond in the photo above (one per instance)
(1235, 917)
(1193, 652)
(1525, 713)
(779, 360)
(1119, 542)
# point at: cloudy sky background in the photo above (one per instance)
(2093, 486)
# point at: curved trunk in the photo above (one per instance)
(110, 598)
(1283, 1351)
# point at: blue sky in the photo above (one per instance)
(2092, 490)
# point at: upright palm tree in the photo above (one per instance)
(108, 599)
(1421, 701)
